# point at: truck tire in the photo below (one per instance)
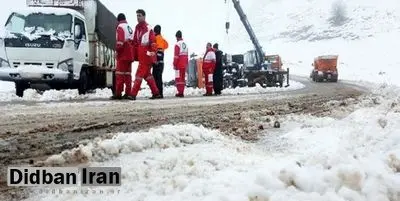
(20, 88)
(83, 82)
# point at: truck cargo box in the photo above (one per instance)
(99, 19)
(106, 24)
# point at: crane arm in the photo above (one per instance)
(250, 31)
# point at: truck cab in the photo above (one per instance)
(275, 61)
(48, 48)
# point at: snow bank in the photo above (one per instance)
(7, 92)
(160, 138)
(354, 158)
(6, 87)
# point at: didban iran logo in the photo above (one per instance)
(64, 176)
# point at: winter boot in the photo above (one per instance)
(156, 97)
(114, 97)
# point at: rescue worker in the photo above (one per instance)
(158, 67)
(208, 69)
(125, 57)
(181, 61)
(145, 53)
(217, 76)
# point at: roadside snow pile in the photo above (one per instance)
(161, 138)
(7, 92)
(6, 87)
(356, 158)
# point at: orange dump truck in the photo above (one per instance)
(325, 68)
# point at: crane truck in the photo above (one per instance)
(257, 67)
(59, 44)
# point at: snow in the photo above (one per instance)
(354, 157)
(313, 158)
(7, 93)
(33, 33)
(48, 10)
(31, 71)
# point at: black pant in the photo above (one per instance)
(157, 74)
(218, 80)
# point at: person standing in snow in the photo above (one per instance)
(145, 48)
(125, 57)
(181, 61)
(208, 69)
(217, 76)
(158, 67)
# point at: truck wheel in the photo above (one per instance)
(20, 88)
(83, 82)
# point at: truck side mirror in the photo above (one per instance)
(78, 31)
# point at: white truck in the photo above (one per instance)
(59, 44)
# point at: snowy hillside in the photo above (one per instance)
(312, 20)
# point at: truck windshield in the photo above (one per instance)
(272, 59)
(40, 23)
(250, 58)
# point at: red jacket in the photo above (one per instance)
(209, 60)
(181, 59)
(144, 42)
(124, 47)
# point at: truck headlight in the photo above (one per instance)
(4, 63)
(66, 65)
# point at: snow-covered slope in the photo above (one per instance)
(312, 20)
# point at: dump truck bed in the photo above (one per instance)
(326, 63)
